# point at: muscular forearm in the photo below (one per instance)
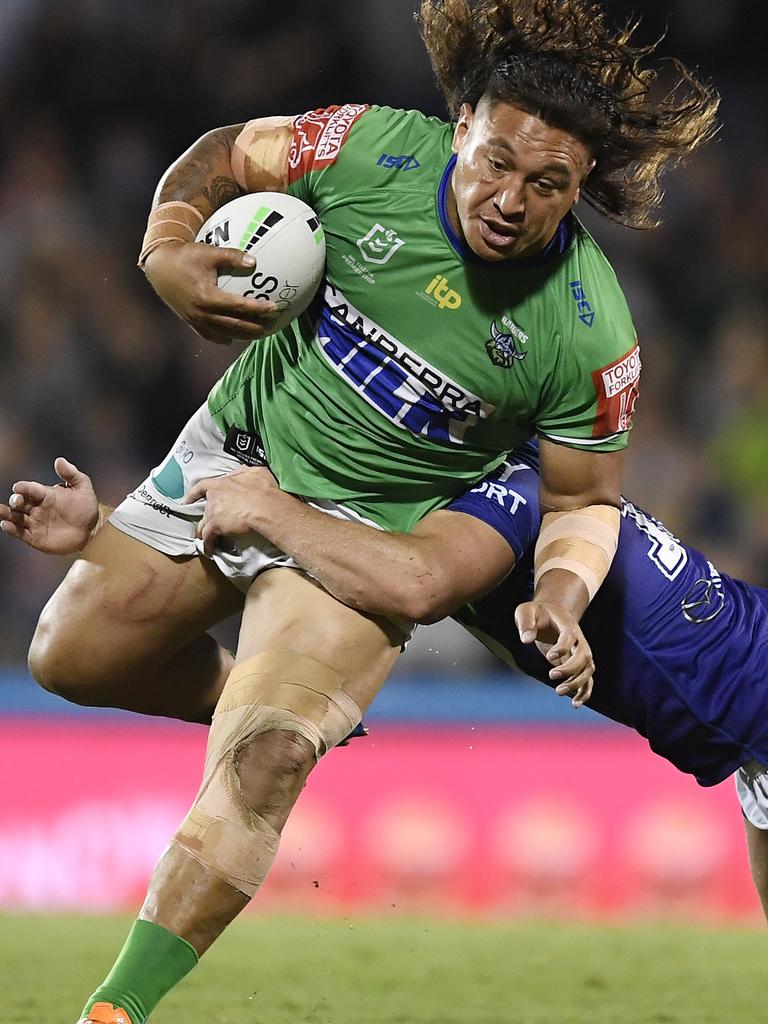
(573, 554)
(580, 501)
(375, 571)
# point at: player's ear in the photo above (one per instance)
(590, 168)
(464, 123)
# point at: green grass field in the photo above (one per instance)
(362, 971)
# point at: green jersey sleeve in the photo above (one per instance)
(318, 138)
(590, 396)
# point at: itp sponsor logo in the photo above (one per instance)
(443, 296)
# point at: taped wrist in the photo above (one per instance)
(583, 541)
(170, 222)
(274, 690)
(260, 154)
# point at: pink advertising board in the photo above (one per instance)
(514, 820)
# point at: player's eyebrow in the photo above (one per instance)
(558, 167)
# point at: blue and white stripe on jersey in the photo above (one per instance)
(395, 380)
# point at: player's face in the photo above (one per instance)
(515, 179)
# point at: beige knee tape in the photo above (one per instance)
(273, 690)
(224, 835)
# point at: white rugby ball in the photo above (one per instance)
(285, 236)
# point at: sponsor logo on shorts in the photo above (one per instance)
(318, 137)
(617, 388)
(143, 495)
(399, 163)
(439, 293)
(184, 452)
(409, 391)
(586, 313)
(379, 245)
(502, 346)
(245, 447)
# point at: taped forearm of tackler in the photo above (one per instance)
(583, 542)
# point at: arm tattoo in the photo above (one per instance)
(221, 191)
(203, 175)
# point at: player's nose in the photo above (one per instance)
(510, 200)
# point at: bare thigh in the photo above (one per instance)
(285, 610)
(119, 617)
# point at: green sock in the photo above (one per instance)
(151, 962)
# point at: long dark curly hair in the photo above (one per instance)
(562, 62)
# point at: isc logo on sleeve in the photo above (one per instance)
(404, 162)
(586, 313)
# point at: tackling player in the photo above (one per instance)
(464, 310)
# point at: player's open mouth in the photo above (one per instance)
(499, 236)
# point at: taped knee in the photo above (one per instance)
(275, 690)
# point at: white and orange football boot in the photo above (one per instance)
(105, 1013)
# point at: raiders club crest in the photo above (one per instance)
(502, 347)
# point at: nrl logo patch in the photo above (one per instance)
(502, 347)
(379, 245)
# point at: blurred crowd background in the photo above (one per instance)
(96, 99)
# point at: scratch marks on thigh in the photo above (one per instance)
(152, 594)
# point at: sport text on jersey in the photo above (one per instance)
(617, 387)
(392, 378)
(318, 137)
(496, 488)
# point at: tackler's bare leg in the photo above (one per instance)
(757, 844)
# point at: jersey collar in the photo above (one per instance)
(557, 245)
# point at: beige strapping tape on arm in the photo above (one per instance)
(260, 154)
(273, 690)
(170, 222)
(583, 541)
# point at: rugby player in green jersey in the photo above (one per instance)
(464, 309)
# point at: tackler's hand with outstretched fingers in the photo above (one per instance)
(57, 519)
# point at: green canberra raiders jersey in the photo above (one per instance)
(420, 364)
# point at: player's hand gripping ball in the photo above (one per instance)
(286, 239)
